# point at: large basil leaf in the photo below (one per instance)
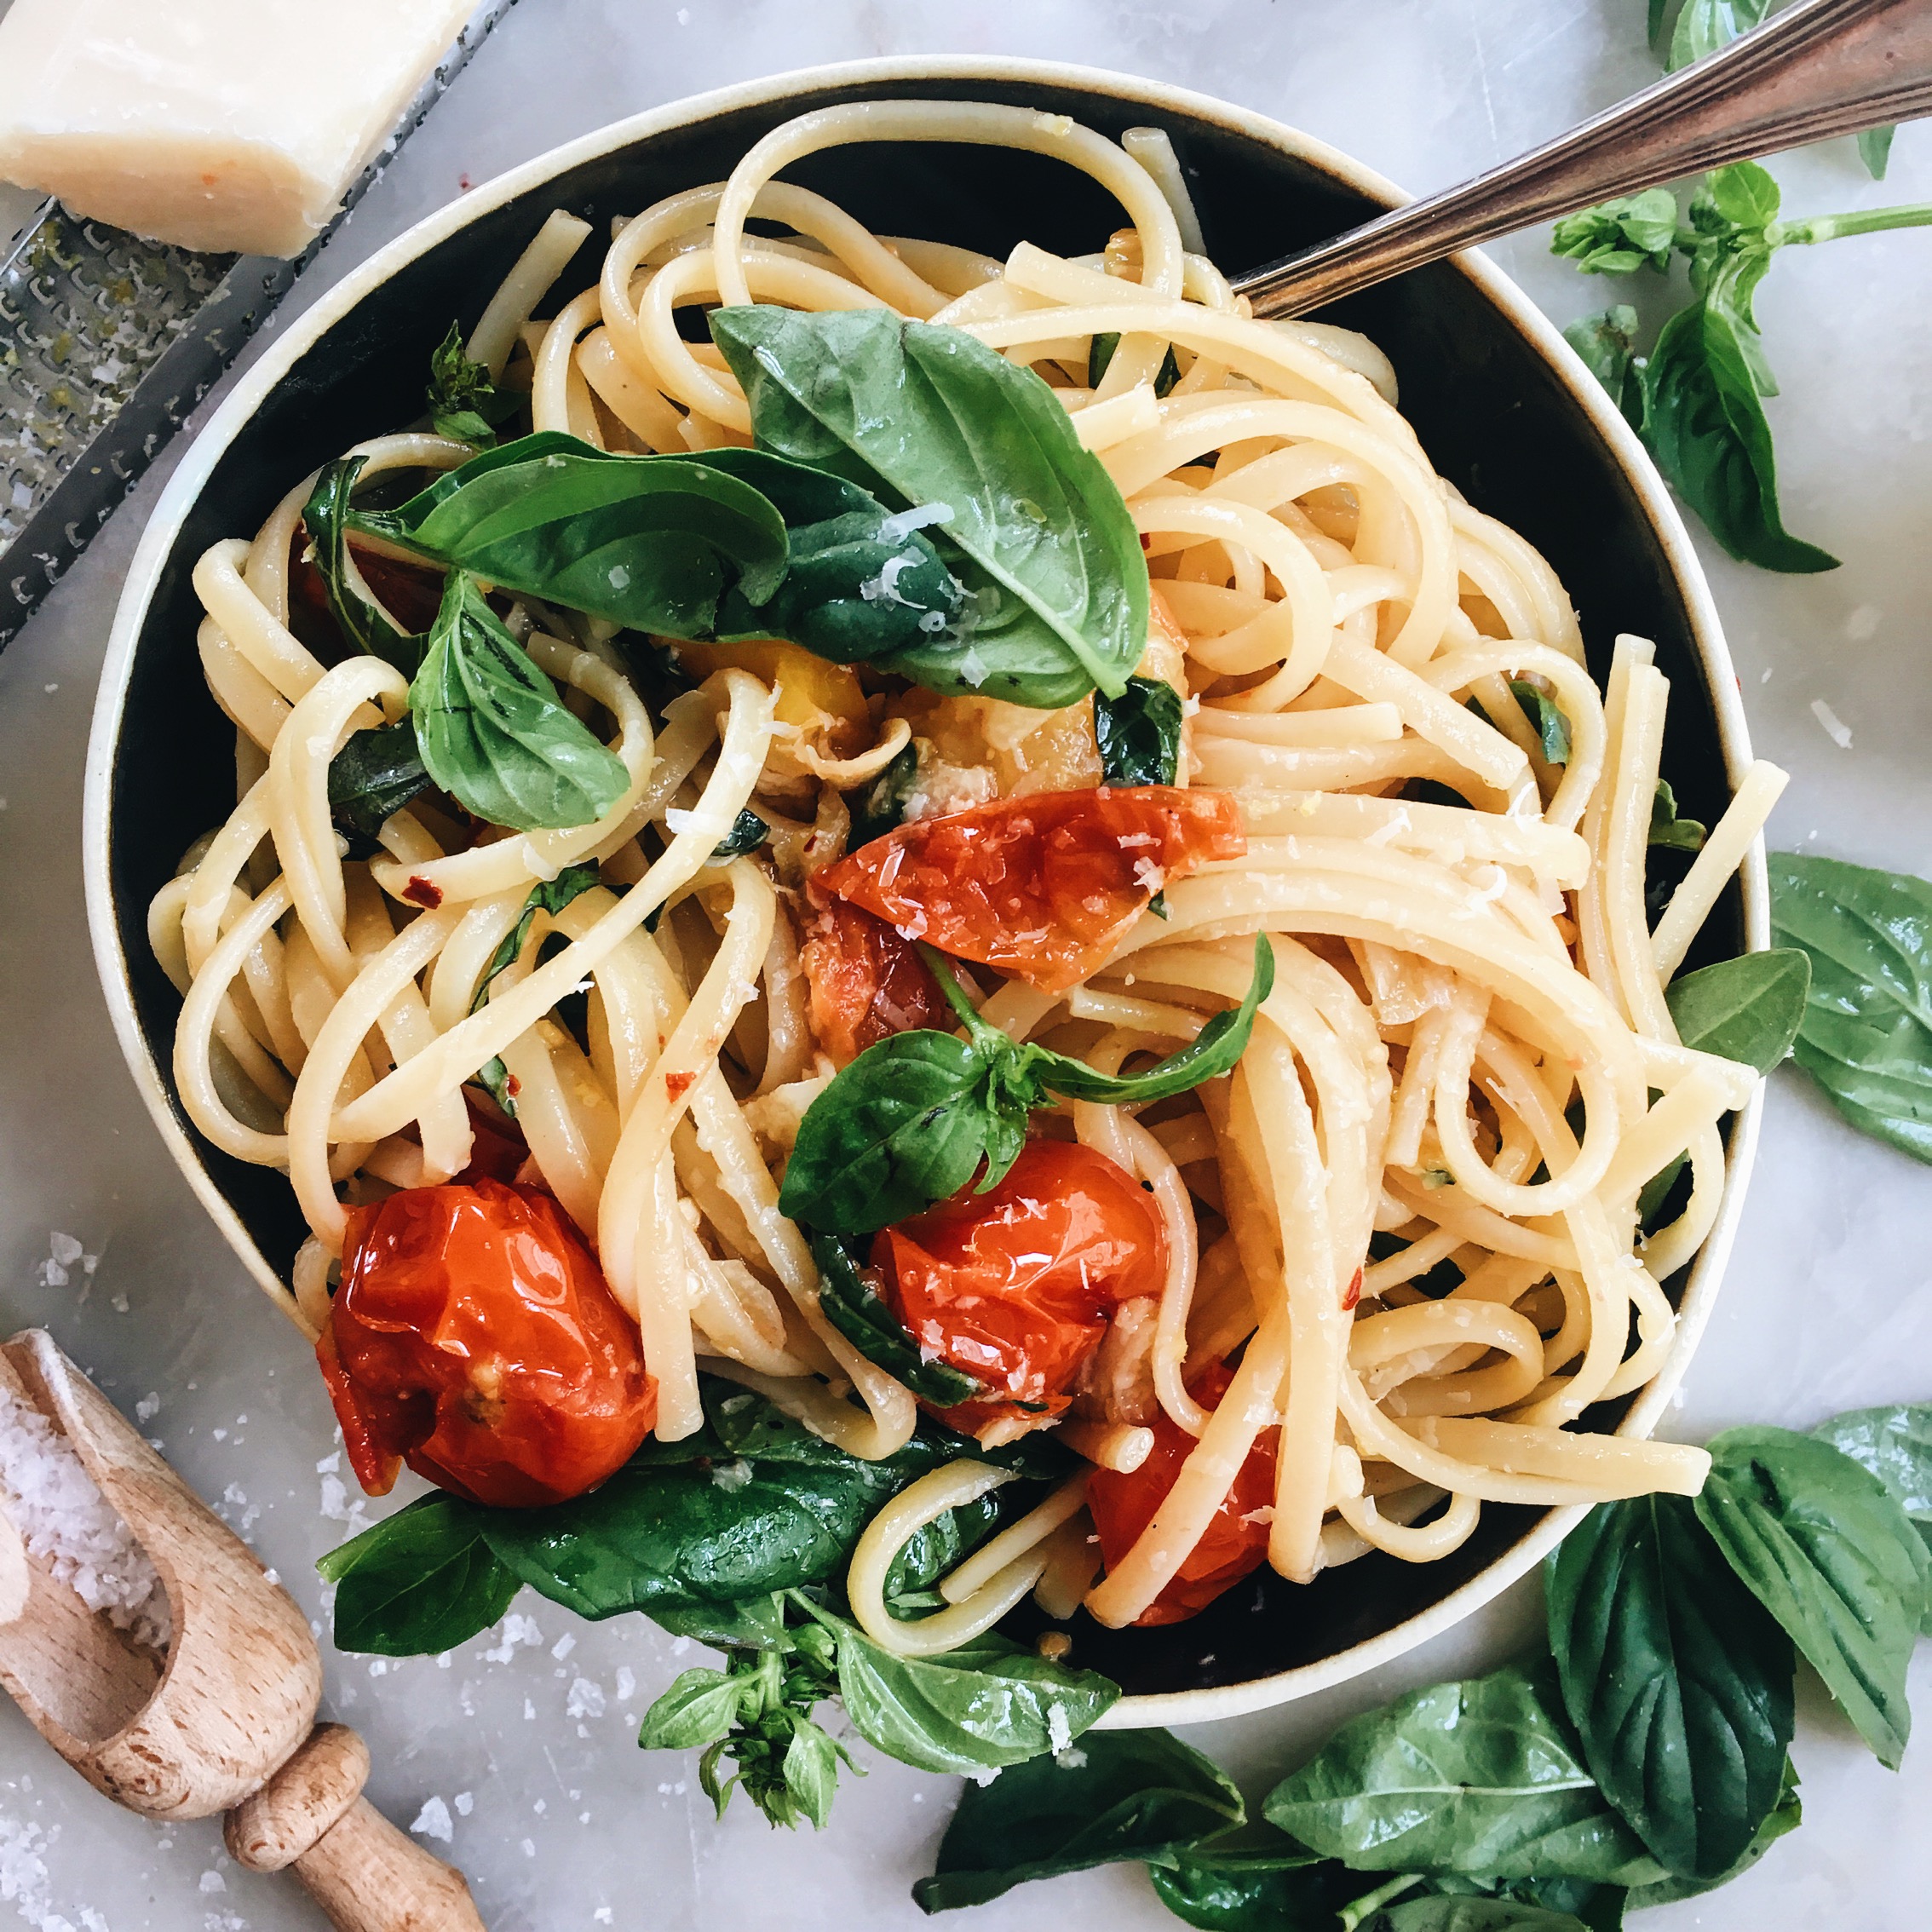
(652, 542)
(1445, 1914)
(862, 1315)
(1831, 1553)
(327, 517)
(1704, 26)
(492, 732)
(1480, 1777)
(421, 1581)
(1139, 733)
(1787, 1816)
(1866, 1037)
(988, 1704)
(937, 1547)
(1121, 1795)
(1677, 1680)
(1895, 1445)
(1747, 1009)
(375, 773)
(1705, 425)
(929, 416)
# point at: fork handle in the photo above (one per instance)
(1820, 68)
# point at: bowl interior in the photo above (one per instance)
(1496, 417)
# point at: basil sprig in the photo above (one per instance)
(1866, 1037)
(929, 417)
(862, 1315)
(463, 402)
(327, 517)
(913, 1119)
(375, 773)
(493, 732)
(1139, 733)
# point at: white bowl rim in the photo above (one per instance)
(1175, 1707)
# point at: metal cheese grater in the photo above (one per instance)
(106, 343)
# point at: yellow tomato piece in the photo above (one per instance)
(814, 694)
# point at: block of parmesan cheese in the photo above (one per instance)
(217, 125)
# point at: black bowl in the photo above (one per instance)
(1504, 410)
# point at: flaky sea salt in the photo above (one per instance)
(432, 1821)
(65, 1521)
(1836, 728)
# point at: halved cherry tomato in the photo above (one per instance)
(474, 1339)
(1236, 1539)
(1042, 885)
(497, 1149)
(1013, 1286)
(867, 982)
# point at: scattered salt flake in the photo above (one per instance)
(1836, 728)
(601, 1916)
(213, 1882)
(221, 1434)
(541, 1806)
(1060, 1731)
(148, 1408)
(432, 1821)
(119, 1301)
(465, 1803)
(64, 1519)
(586, 1698)
(329, 1464)
(563, 1646)
(1863, 624)
(335, 1499)
(1072, 1758)
(529, 1712)
(626, 1683)
(517, 1630)
(529, 1847)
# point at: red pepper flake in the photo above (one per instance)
(512, 1086)
(1354, 1293)
(678, 1084)
(424, 892)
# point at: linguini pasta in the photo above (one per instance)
(1467, 1057)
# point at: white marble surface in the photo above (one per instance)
(567, 1824)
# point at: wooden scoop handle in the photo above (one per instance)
(364, 1873)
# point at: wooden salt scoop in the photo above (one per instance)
(226, 1721)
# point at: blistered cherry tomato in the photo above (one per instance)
(1236, 1539)
(867, 982)
(1013, 1286)
(1042, 885)
(474, 1339)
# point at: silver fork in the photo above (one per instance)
(1821, 68)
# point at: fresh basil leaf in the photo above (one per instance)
(547, 895)
(747, 832)
(863, 1316)
(756, 1623)
(1608, 344)
(1787, 1816)
(1291, 1890)
(988, 1704)
(1866, 1037)
(652, 542)
(1896, 1443)
(1213, 1052)
(1139, 733)
(492, 732)
(1552, 728)
(1442, 1914)
(883, 808)
(1829, 1551)
(375, 773)
(421, 1581)
(327, 516)
(1667, 829)
(1479, 1777)
(930, 416)
(810, 1770)
(700, 1708)
(1705, 425)
(1120, 1795)
(906, 1124)
(1615, 238)
(939, 1546)
(1676, 1679)
(1704, 26)
(1747, 1010)
(463, 402)
(1875, 151)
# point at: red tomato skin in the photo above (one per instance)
(1230, 1548)
(1043, 885)
(867, 982)
(474, 1339)
(1014, 1286)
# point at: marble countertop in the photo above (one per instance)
(527, 1740)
